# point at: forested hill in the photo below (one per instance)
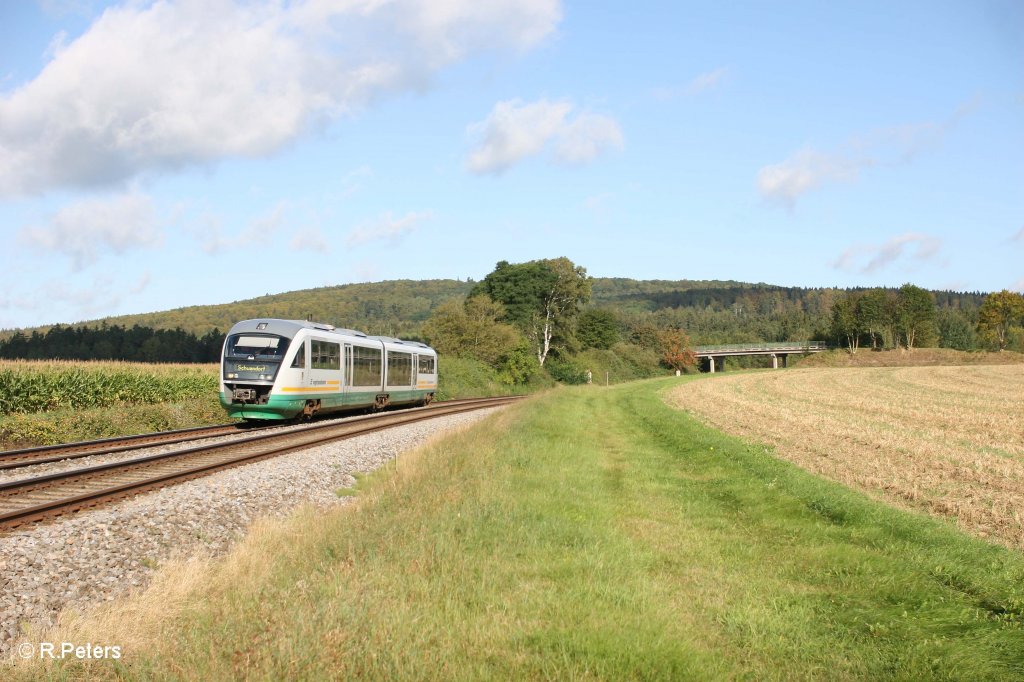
(394, 308)
(711, 311)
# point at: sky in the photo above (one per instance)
(156, 155)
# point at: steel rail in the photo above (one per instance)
(279, 443)
(48, 454)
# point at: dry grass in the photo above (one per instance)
(948, 440)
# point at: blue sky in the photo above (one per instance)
(160, 155)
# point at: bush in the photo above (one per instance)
(566, 370)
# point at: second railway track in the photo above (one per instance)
(46, 454)
(34, 499)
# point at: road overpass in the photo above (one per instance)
(775, 350)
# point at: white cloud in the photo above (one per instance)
(387, 228)
(151, 87)
(353, 181)
(701, 83)
(310, 239)
(210, 231)
(515, 130)
(213, 239)
(99, 296)
(267, 224)
(706, 81)
(83, 229)
(804, 171)
(598, 204)
(808, 169)
(868, 258)
(586, 137)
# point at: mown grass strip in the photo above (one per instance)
(587, 534)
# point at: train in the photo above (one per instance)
(294, 369)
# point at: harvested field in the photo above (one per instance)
(948, 440)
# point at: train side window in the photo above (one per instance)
(399, 369)
(426, 364)
(300, 357)
(366, 364)
(325, 355)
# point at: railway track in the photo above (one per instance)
(35, 499)
(15, 459)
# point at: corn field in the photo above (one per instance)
(37, 386)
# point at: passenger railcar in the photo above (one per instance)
(283, 369)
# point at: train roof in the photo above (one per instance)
(289, 328)
(403, 342)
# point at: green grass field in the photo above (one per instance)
(589, 533)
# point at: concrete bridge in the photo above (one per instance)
(784, 349)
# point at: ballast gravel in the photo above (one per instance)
(92, 557)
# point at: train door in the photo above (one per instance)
(347, 363)
(415, 370)
(301, 363)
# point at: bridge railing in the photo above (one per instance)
(793, 346)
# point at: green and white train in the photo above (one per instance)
(283, 369)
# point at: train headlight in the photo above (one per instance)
(231, 375)
(266, 377)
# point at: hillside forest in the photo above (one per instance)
(548, 316)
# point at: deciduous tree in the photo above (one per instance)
(676, 352)
(915, 313)
(472, 329)
(877, 312)
(999, 314)
(598, 328)
(543, 297)
(846, 321)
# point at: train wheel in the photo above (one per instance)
(310, 409)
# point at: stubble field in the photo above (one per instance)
(948, 440)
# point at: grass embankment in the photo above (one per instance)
(590, 533)
(45, 402)
(901, 357)
(948, 440)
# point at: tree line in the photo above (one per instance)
(909, 317)
(551, 316)
(135, 344)
(523, 318)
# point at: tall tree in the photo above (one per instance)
(955, 330)
(915, 313)
(676, 352)
(846, 320)
(876, 316)
(999, 313)
(543, 297)
(598, 328)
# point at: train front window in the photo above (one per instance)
(254, 346)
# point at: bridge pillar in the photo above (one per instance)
(775, 361)
(785, 359)
(711, 363)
